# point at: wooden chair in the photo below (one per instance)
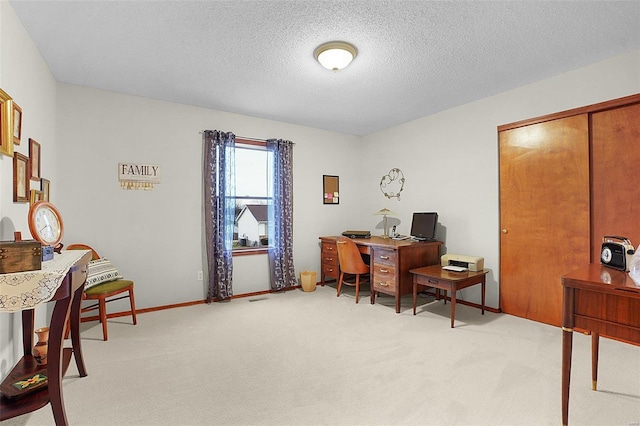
(103, 292)
(351, 263)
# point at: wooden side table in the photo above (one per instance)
(599, 300)
(67, 297)
(441, 279)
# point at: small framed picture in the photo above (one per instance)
(35, 196)
(34, 157)
(6, 126)
(45, 184)
(20, 178)
(17, 124)
(330, 189)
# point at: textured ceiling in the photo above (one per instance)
(415, 58)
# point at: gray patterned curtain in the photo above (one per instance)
(281, 215)
(219, 210)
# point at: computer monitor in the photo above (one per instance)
(423, 226)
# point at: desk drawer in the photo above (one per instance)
(329, 248)
(609, 309)
(331, 271)
(432, 282)
(330, 259)
(384, 277)
(384, 256)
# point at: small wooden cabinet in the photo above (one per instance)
(390, 262)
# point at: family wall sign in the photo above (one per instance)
(138, 176)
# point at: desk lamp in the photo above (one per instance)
(384, 213)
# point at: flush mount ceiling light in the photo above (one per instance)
(335, 55)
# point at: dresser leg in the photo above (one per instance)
(568, 297)
(595, 344)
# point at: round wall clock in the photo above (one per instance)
(45, 223)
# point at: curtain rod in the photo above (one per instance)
(246, 138)
(242, 137)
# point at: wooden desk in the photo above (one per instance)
(436, 277)
(600, 300)
(67, 299)
(390, 263)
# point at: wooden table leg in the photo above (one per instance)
(54, 355)
(453, 304)
(372, 292)
(397, 301)
(595, 344)
(484, 285)
(567, 344)
(74, 321)
(27, 331)
(415, 294)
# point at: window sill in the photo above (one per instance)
(250, 251)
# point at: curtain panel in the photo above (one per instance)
(219, 211)
(281, 216)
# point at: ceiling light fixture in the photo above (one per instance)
(335, 55)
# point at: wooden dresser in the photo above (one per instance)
(390, 262)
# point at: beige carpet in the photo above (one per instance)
(299, 358)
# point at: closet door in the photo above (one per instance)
(544, 214)
(615, 138)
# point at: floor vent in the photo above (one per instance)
(258, 299)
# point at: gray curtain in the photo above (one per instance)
(219, 210)
(281, 215)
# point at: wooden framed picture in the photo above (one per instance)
(331, 189)
(34, 157)
(17, 123)
(35, 196)
(6, 124)
(20, 178)
(45, 186)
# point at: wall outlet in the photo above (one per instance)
(199, 275)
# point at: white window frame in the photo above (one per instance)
(242, 144)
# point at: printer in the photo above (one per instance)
(472, 263)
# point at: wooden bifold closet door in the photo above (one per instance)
(566, 180)
(615, 175)
(544, 214)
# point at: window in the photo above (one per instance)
(254, 192)
(272, 175)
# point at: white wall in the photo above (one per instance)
(26, 78)
(155, 237)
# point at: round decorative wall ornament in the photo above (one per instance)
(392, 183)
